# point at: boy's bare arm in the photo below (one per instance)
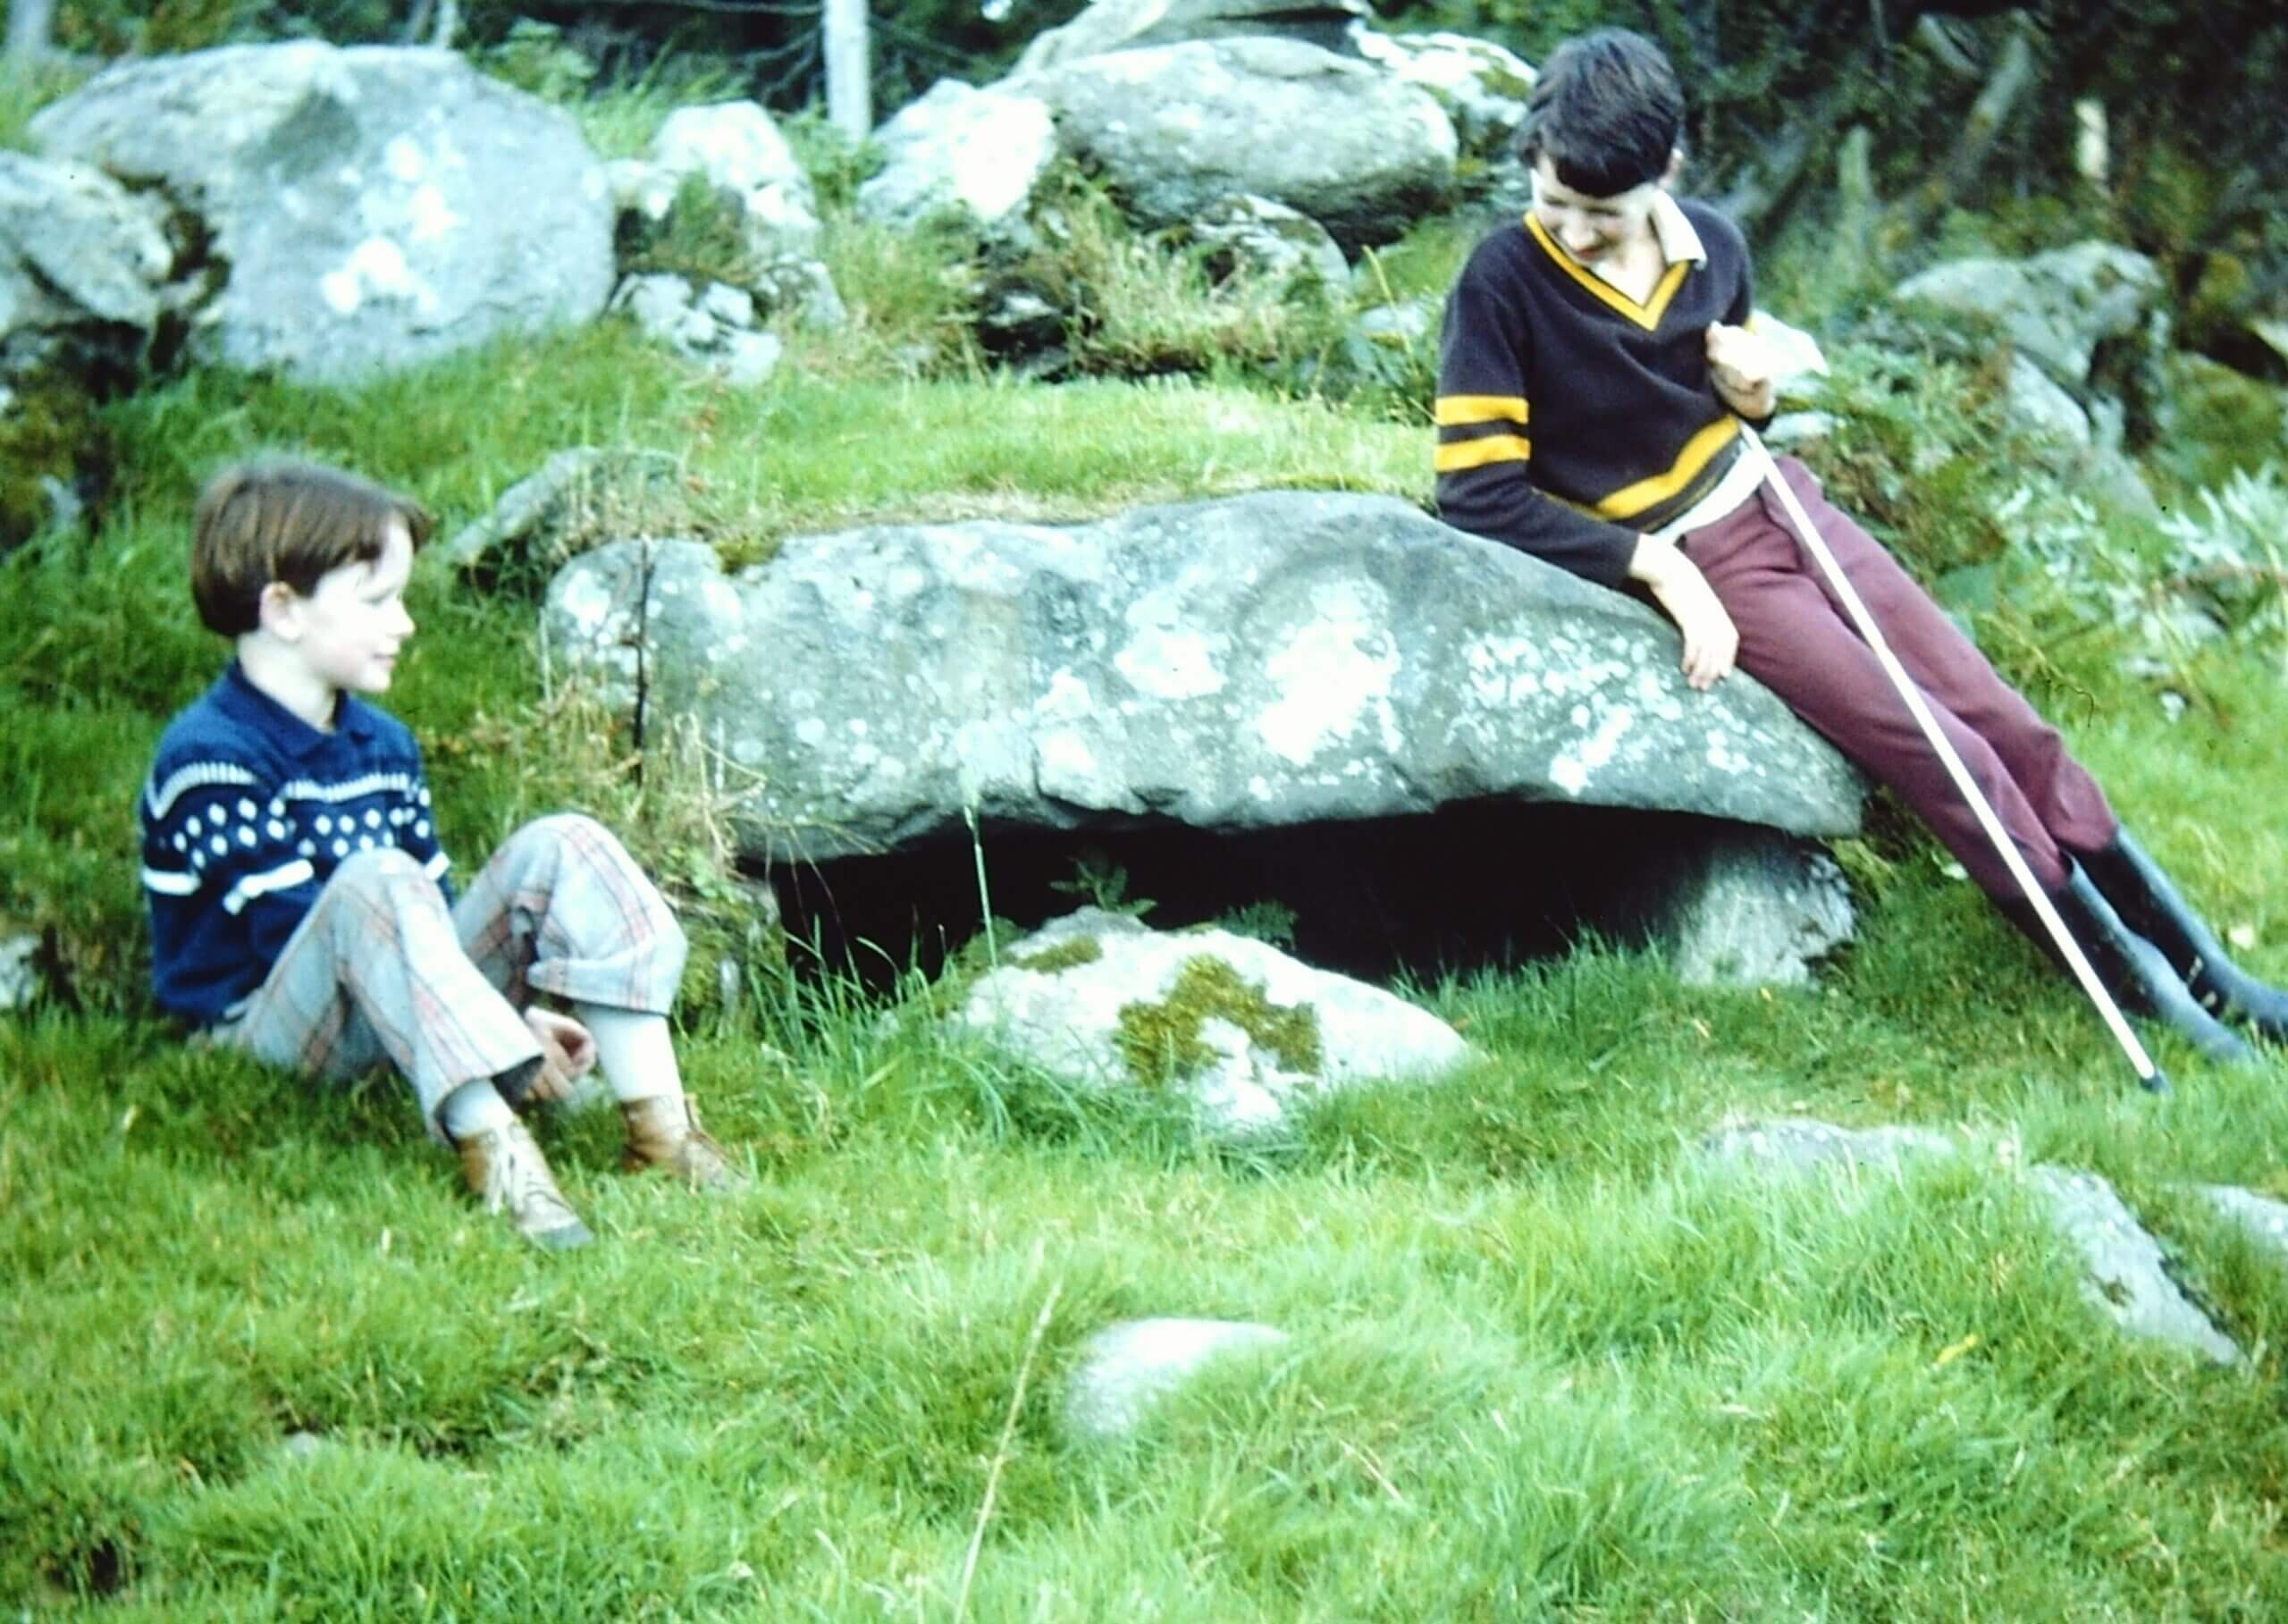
(1740, 366)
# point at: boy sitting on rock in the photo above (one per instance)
(300, 908)
(1595, 367)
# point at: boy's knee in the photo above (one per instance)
(576, 837)
(573, 831)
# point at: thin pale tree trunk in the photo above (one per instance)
(849, 91)
(30, 24)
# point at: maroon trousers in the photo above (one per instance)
(1797, 641)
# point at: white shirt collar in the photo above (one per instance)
(1673, 230)
(1679, 240)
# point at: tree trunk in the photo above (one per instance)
(29, 22)
(849, 96)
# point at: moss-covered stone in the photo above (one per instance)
(1065, 955)
(1162, 1042)
(50, 432)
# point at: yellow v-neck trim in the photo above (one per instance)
(1646, 315)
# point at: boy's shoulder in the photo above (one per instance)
(1718, 230)
(237, 732)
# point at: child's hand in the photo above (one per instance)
(1740, 366)
(566, 1053)
(1711, 643)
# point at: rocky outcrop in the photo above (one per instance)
(87, 281)
(78, 248)
(1248, 663)
(2129, 1277)
(2055, 307)
(366, 208)
(1119, 25)
(1173, 129)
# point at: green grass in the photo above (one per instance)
(265, 1360)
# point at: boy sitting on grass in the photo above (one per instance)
(1596, 364)
(296, 887)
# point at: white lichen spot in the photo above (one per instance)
(404, 160)
(1501, 670)
(432, 217)
(1333, 674)
(858, 728)
(1722, 756)
(720, 601)
(810, 732)
(376, 268)
(1572, 767)
(1068, 699)
(586, 602)
(1066, 762)
(1169, 662)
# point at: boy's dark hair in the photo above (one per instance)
(1606, 111)
(291, 522)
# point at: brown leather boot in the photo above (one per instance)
(663, 1132)
(509, 1176)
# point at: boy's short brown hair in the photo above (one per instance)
(291, 522)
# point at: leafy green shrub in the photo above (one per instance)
(533, 57)
(1914, 454)
(704, 237)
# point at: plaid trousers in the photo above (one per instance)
(381, 970)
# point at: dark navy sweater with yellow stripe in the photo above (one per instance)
(1571, 418)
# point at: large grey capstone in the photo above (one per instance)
(1248, 663)
(375, 207)
(1174, 129)
(1058, 998)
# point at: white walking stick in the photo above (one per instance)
(2148, 1075)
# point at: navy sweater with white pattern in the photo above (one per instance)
(248, 813)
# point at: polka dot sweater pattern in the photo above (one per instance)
(248, 813)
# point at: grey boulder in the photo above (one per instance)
(1119, 25)
(77, 248)
(976, 152)
(1174, 129)
(374, 206)
(2055, 307)
(1243, 1029)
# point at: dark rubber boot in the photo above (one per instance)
(2151, 906)
(2136, 972)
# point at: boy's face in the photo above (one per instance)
(348, 630)
(1589, 229)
